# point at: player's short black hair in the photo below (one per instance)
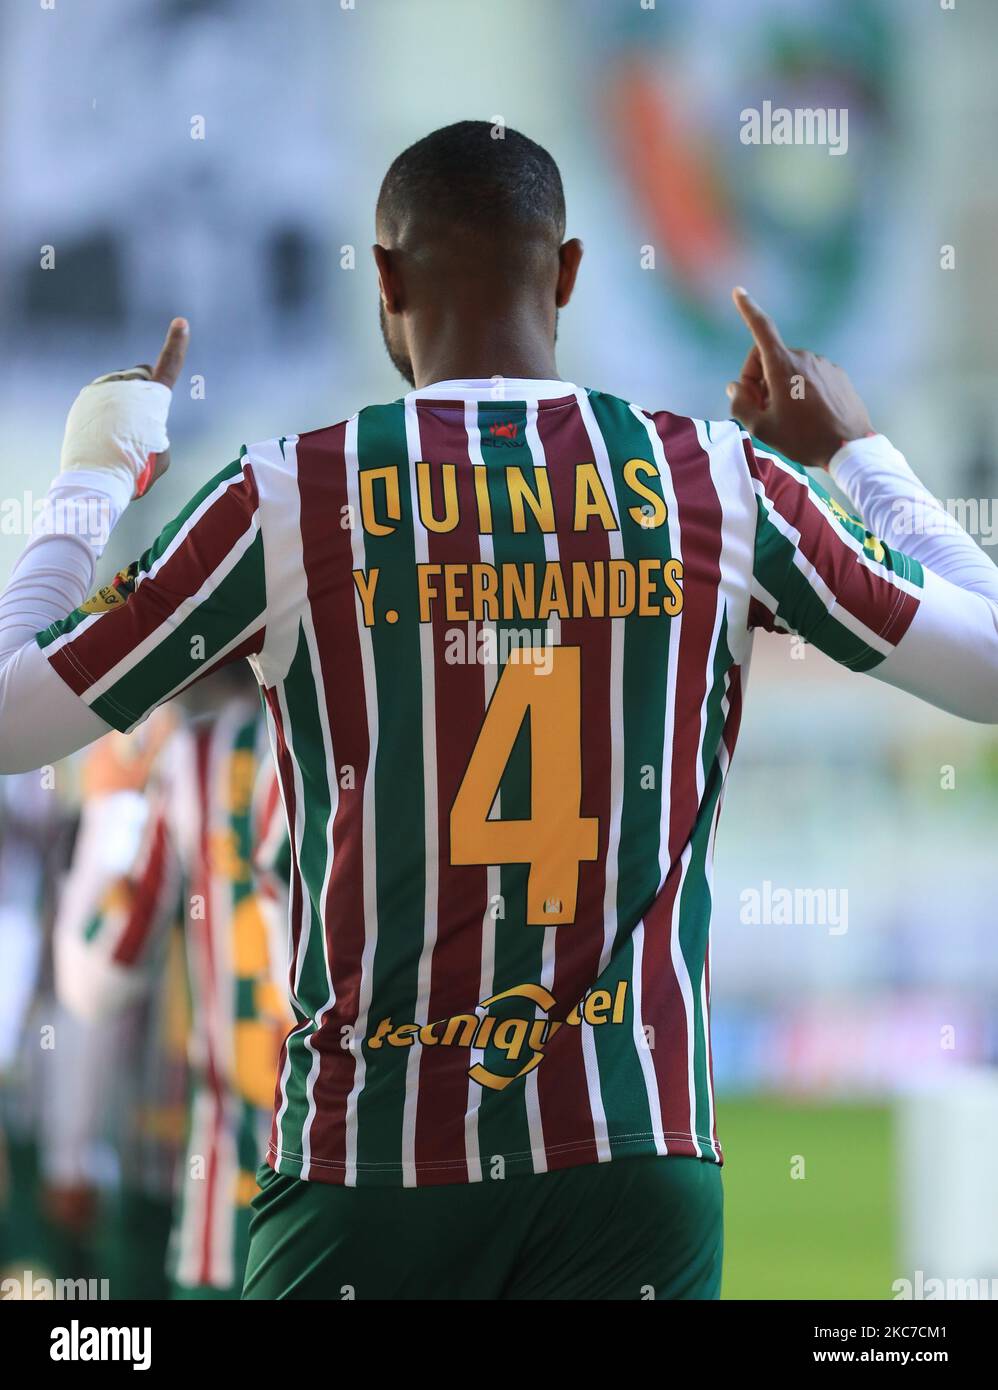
(477, 177)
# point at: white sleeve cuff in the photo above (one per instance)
(856, 454)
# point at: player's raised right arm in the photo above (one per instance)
(115, 446)
(194, 600)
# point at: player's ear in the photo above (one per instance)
(569, 256)
(388, 279)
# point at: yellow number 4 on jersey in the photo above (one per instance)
(546, 684)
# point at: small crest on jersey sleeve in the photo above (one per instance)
(871, 543)
(113, 595)
(842, 514)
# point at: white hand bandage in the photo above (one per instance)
(114, 427)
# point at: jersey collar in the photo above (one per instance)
(499, 388)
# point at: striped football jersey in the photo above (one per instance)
(502, 632)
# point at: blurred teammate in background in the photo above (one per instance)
(191, 863)
(48, 1189)
(502, 627)
(132, 1101)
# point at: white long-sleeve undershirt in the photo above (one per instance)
(949, 656)
(41, 719)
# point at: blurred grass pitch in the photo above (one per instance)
(831, 1234)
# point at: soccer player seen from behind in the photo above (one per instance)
(502, 628)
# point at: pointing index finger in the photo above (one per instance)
(759, 324)
(171, 357)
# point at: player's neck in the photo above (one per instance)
(487, 351)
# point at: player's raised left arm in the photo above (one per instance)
(904, 593)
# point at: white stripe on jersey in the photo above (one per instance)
(739, 522)
(285, 580)
(641, 1045)
(616, 737)
(738, 528)
(493, 889)
(370, 873)
(549, 939)
(281, 526)
(428, 696)
(295, 959)
(675, 638)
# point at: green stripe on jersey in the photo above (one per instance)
(696, 900)
(302, 692)
(503, 1128)
(644, 699)
(399, 782)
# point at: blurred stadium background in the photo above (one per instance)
(862, 1053)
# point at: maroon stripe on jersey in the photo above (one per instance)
(882, 606)
(462, 891)
(328, 561)
(699, 518)
(97, 648)
(149, 888)
(285, 771)
(562, 1084)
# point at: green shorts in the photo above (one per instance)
(637, 1228)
